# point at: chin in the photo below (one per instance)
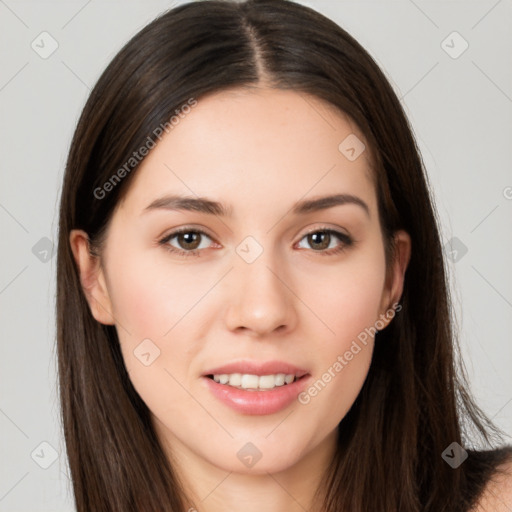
(258, 456)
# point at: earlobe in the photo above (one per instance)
(396, 275)
(92, 277)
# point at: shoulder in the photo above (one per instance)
(497, 493)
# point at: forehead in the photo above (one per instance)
(265, 144)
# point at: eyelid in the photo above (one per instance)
(186, 229)
(325, 228)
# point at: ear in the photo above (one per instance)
(395, 275)
(91, 277)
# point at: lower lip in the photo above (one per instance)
(257, 402)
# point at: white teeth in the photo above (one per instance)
(235, 379)
(266, 382)
(248, 381)
(289, 379)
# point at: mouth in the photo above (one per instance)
(255, 387)
(256, 375)
(252, 382)
(251, 394)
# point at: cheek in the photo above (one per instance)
(150, 296)
(156, 359)
(153, 305)
(347, 297)
(349, 309)
(343, 363)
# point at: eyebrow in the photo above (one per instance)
(208, 206)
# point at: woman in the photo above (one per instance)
(252, 303)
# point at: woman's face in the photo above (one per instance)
(264, 288)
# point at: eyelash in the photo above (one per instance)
(346, 240)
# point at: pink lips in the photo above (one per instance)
(256, 368)
(257, 402)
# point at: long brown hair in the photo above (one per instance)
(414, 402)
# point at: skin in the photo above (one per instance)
(497, 496)
(258, 151)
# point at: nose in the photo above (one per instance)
(260, 298)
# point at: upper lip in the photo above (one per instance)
(258, 368)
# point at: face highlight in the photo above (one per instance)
(247, 236)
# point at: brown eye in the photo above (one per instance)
(186, 242)
(323, 241)
(319, 240)
(189, 240)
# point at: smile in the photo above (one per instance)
(254, 382)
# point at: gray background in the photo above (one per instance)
(461, 110)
